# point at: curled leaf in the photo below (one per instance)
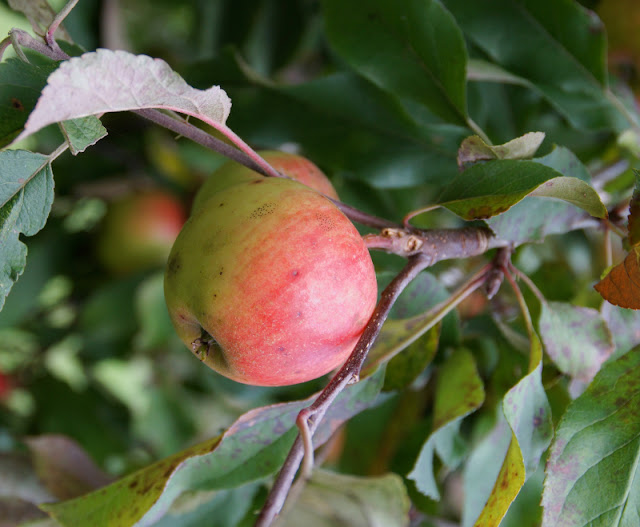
(621, 286)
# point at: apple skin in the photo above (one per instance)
(277, 276)
(291, 165)
(138, 231)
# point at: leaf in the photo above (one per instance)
(403, 58)
(252, 448)
(621, 286)
(573, 75)
(64, 467)
(528, 413)
(459, 392)
(592, 471)
(406, 367)
(474, 149)
(419, 306)
(624, 325)
(82, 133)
(490, 188)
(576, 338)
(533, 219)
(26, 195)
(634, 213)
(20, 87)
(337, 500)
(40, 14)
(113, 81)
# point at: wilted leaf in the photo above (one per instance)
(459, 392)
(253, 447)
(64, 467)
(337, 500)
(490, 188)
(26, 195)
(474, 149)
(112, 81)
(402, 58)
(576, 338)
(621, 286)
(592, 472)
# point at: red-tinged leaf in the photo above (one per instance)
(114, 81)
(64, 467)
(576, 338)
(621, 287)
(634, 214)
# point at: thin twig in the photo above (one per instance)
(347, 374)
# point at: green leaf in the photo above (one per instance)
(576, 338)
(491, 188)
(417, 307)
(592, 472)
(26, 195)
(474, 149)
(572, 76)
(533, 219)
(20, 87)
(253, 447)
(459, 392)
(337, 500)
(418, 51)
(82, 133)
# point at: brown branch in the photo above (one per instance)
(348, 374)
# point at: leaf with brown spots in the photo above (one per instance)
(592, 474)
(253, 447)
(621, 286)
(528, 413)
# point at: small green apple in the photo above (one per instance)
(138, 231)
(270, 284)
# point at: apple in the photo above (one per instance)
(138, 231)
(291, 165)
(270, 284)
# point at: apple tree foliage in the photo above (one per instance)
(502, 390)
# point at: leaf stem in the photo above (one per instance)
(349, 373)
(55, 24)
(533, 287)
